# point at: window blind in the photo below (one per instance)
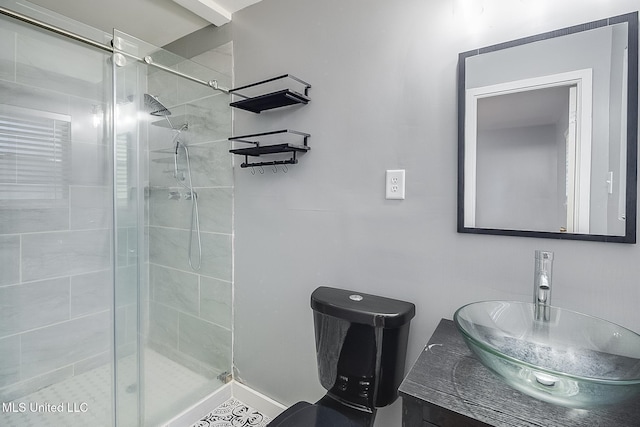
(35, 149)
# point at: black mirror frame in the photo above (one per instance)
(632, 132)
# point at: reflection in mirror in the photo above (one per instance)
(548, 134)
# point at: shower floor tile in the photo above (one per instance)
(166, 383)
(233, 413)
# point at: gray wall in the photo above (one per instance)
(383, 97)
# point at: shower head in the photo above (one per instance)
(155, 107)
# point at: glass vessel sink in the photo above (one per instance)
(572, 359)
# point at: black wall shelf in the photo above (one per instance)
(281, 97)
(288, 141)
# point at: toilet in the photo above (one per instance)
(361, 345)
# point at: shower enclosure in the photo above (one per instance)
(105, 318)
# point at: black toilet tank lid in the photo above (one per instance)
(358, 307)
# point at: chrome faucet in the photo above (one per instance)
(542, 285)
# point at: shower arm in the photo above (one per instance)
(213, 84)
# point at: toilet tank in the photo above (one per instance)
(361, 345)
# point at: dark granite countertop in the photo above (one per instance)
(456, 389)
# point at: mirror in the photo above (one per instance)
(547, 134)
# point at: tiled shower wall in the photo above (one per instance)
(190, 311)
(55, 252)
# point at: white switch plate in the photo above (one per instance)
(395, 184)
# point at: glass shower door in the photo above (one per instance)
(56, 227)
(177, 185)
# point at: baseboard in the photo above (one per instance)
(246, 395)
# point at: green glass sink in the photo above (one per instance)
(571, 359)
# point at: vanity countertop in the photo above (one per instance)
(448, 386)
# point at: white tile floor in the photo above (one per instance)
(170, 388)
(233, 413)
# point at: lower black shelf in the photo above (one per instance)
(270, 149)
(258, 149)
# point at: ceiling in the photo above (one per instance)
(158, 22)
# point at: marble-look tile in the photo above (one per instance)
(161, 170)
(211, 164)
(39, 64)
(10, 360)
(131, 323)
(215, 301)
(189, 91)
(90, 293)
(174, 288)
(168, 212)
(122, 246)
(26, 386)
(7, 53)
(8, 152)
(27, 196)
(55, 346)
(127, 236)
(217, 256)
(32, 220)
(90, 164)
(88, 119)
(164, 86)
(33, 305)
(64, 253)
(170, 247)
(126, 284)
(9, 260)
(209, 119)
(24, 96)
(90, 207)
(86, 365)
(163, 325)
(215, 207)
(125, 326)
(133, 235)
(160, 136)
(205, 341)
(127, 209)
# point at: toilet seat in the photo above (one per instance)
(305, 414)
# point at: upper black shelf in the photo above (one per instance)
(273, 98)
